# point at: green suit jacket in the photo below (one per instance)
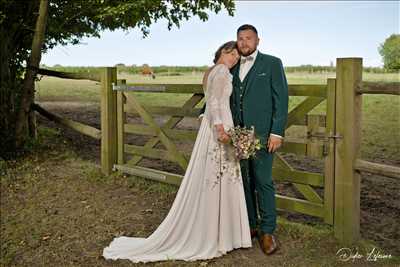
(264, 99)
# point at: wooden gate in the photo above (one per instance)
(165, 134)
(319, 142)
(333, 195)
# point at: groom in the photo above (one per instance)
(260, 99)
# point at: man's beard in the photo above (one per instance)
(249, 53)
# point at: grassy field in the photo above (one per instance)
(49, 88)
(380, 112)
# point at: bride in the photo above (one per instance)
(208, 217)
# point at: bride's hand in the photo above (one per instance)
(223, 137)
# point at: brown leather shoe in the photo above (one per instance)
(253, 233)
(268, 243)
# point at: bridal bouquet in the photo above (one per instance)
(244, 141)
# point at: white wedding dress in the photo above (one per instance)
(208, 217)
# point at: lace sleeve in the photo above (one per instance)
(215, 93)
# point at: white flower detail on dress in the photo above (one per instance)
(226, 165)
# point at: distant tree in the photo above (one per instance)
(390, 52)
(67, 22)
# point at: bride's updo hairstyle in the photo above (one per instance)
(225, 48)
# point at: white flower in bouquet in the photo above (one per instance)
(244, 141)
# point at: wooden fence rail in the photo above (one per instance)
(392, 88)
(71, 75)
(317, 90)
(377, 168)
(77, 126)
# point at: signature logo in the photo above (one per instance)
(348, 254)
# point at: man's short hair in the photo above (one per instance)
(247, 27)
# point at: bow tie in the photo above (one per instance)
(245, 59)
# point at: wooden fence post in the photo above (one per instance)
(329, 161)
(347, 180)
(121, 119)
(108, 120)
(314, 148)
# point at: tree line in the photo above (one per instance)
(135, 69)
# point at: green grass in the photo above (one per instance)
(380, 121)
(51, 88)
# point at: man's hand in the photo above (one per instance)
(274, 142)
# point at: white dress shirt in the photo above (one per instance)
(246, 63)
